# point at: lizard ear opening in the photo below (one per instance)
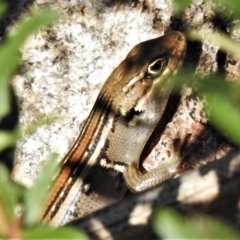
(157, 66)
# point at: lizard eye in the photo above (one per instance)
(157, 66)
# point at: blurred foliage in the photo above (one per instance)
(179, 6)
(25, 224)
(170, 225)
(222, 98)
(13, 196)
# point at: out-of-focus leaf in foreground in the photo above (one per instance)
(38, 193)
(46, 232)
(227, 8)
(170, 225)
(223, 106)
(9, 197)
(220, 39)
(8, 138)
(179, 6)
(9, 54)
(222, 101)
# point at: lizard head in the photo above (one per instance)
(142, 76)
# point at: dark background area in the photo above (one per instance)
(15, 7)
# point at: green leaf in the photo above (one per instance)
(4, 98)
(35, 197)
(227, 8)
(222, 40)
(9, 196)
(170, 225)
(224, 115)
(9, 54)
(3, 8)
(222, 101)
(179, 6)
(45, 232)
(8, 139)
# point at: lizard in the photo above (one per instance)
(103, 163)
